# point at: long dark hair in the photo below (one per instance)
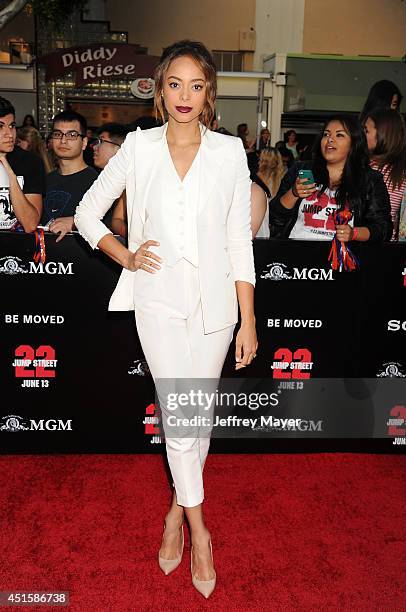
(390, 147)
(352, 187)
(380, 96)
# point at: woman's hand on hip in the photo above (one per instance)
(246, 344)
(144, 259)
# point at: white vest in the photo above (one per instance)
(224, 237)
(171, 219)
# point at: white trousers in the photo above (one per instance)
(169, 322)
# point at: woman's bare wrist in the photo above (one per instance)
(126, 260)
(248, 319)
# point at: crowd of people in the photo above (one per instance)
(355, 163)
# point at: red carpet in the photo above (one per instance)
(290, 532)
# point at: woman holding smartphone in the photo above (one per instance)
(188, 266)
(338, 177)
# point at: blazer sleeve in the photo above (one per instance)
(109, 185)
(239, 236)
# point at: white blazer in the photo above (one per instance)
(223, 220)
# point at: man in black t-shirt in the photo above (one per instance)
(66, 186)
(22, 177)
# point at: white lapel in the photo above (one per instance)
(149, 149)
(211, 162)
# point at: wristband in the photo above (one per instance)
(354, 233)
(295, 193)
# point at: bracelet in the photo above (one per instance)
(354, 233)
(295, 193)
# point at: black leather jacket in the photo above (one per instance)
(375, 212)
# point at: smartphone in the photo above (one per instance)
(307, 174)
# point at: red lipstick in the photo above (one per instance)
(184, 109)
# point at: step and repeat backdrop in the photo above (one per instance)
(74, 378)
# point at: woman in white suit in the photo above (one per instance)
(188, 266)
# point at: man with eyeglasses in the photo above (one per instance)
(111, 137)
(22, 177)
(67, 185)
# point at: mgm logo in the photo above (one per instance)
(14, 265)
(279, 271)
(14, 423)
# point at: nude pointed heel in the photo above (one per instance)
(168, 565)
(205, 587)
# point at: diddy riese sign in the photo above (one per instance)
(99, 61)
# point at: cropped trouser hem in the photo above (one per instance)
(169, 322)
